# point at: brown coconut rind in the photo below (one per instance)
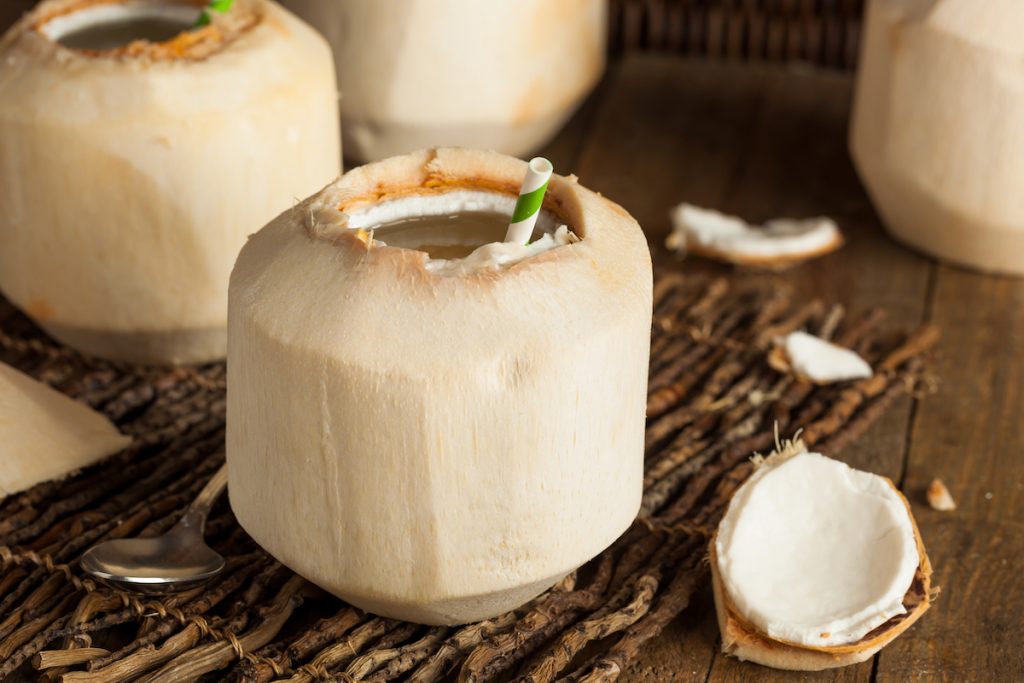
(741, 639)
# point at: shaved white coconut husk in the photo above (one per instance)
(817, 360)
(945, 70)
(130, 178)
(501, 74)
(939, 497)
(45, 435)
(778, 242)
(431, 447)
(816, 565)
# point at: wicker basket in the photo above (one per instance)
(821, 32)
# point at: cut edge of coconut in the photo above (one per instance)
(681, 241)
(743, 640)
(53, 20)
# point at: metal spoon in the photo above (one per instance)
(176, 561)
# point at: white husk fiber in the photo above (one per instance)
(437, 448)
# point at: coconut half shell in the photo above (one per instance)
(744, 640)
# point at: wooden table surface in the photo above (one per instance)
(764, 142)
(769, 141)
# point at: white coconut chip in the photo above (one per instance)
(817, 360)
(939, 497)
(781, 241)
(45, 435)
(814, 553)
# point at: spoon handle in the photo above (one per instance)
(195, 515)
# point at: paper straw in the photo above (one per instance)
(531, 195)
(221, 6)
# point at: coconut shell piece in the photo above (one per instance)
(939, 497)
(780, 358)
(743, 640)
(777, 243)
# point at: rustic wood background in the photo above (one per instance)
(763, 141)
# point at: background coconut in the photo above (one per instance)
(130, 182)
(501, 74)
(936, 132)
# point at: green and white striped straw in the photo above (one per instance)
(221, 6)
(531, 195)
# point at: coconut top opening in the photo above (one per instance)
(815, 553)
(155, 30)
(115, 25)
(461, 231)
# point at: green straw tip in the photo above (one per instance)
(541, 165)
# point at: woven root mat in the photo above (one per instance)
(713, 402)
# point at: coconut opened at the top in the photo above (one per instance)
(431, 423)
(138, 152)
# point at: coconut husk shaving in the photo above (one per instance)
(713, 402)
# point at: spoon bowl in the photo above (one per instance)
(176, 561)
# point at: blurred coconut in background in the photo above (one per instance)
(938, 127)
(500, 74)
(137, 154)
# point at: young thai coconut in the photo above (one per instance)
(936, 129)
(132, 170)
(431, 443)
(45, 435)
(778, 243)
(816, 565)
(501, 74)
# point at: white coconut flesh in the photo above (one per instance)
(815, 553)
(694, 228)
(822, 361)
(112, 22)
(45, 435)
(491, 256)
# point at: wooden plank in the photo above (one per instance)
(565, 150)
(668, 130)
(970, 435)
(760, 142)
(799, 166)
